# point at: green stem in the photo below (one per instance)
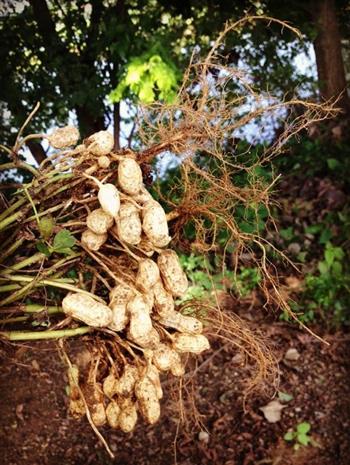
(36, 308)
(49, 310)
(9, 287)
(11, 249)
(33, 205)
(19, 164)
(62, 284)
(10, 219)
(49, 210)
(41, 187)
(37, 335)
(28, 261)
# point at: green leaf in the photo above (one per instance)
(63, 241)
(325, 236)
(323, 268)
(43, 248)
(304, 427)
(284, 396)
(289, 436)
(329, 256)
(337, 268)
(287, 233)
(313, 229)
(303, 439)
(332, 163)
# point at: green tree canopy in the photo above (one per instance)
(70, 55)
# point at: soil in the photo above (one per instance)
(35, 426)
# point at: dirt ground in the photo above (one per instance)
(35, 426)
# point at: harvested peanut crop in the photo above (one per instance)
(116, 279)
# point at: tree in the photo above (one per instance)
(324, 24)
(328, 51)
(70, 55)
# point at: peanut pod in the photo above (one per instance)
(85, 308)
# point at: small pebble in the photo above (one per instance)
(292, 354)
(203, 436)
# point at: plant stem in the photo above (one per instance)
(36, 308)
(39, 335)
(28, 261)
(10, 219)
(49, 310)
(62, 284)
(11, 249)
(9, 287)
(19, 164)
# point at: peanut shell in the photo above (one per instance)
(85, 308)
(128, 224)
(174, 278)
(154, 224)
(101, 143)
(93, 241)
(193, 343)
(98, 221)
(129, 176)
(109, 199)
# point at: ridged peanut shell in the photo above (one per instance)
(128, 224)
(101, 143)
(149, 340)
(98, 414)
(129, 176)
(93, 241)
(177, 368)
(121, 293)
(125, 384)
(140, 326)
(110, 385)
(193, 343)
(163, 300)
(143, 196)
(174, 278)
(147, 275)
(98, 221)
(154, 224)
(146, 394)
(127, 416)
(64, 137)
(77, 408)
(103, 162)
(119, 297)
(84, 308)
(112, 414)
(182, 323)
(120, 316)
(164, 357)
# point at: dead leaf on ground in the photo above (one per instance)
(272, 411)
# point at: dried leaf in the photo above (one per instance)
(272, 411)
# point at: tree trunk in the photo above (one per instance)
(37, 151)
(116, 119)
(329, 60)
(89, 123)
